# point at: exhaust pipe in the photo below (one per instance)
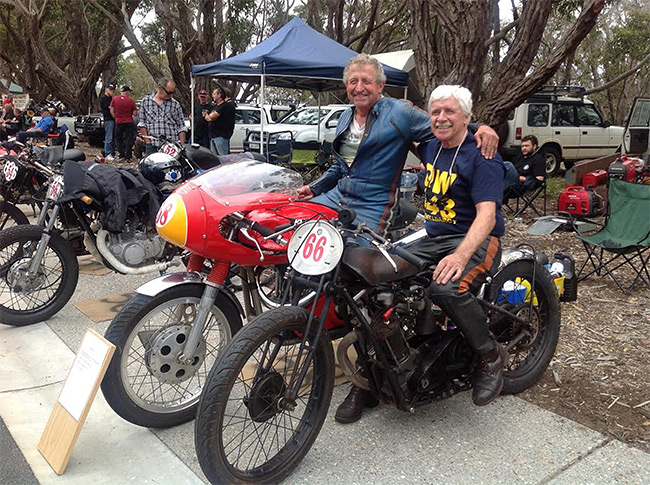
(102, 235)
(349, 368)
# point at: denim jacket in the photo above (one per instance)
(370, 184)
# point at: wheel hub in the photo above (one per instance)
(531, 315)
(264, 400)
(163, 354)
(19, 279)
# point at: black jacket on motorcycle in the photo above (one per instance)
(115, 189)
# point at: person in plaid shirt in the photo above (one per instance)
(162, 115)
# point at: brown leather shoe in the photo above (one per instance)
(351, 408)
(488, 377)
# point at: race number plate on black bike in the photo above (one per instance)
(315, 248)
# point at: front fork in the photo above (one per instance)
(214, 282)
(35, 263)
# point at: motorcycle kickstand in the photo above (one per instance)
(205, 304)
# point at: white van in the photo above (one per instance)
(569, 128)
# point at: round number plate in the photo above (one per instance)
(315, 248)
(10, 171)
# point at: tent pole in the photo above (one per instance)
(262, 115)
(318, 138)
(192, 86)
(406, 90)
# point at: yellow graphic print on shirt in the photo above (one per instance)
(437, 205)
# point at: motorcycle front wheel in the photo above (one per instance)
(11, 216)
(26, 297)
(146, 382)
(532, 343)
(247, 428)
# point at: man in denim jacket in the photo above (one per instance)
(372, 141)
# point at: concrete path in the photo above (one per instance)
(510, 441)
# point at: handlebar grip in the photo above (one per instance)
(410, 257)
(263, 230)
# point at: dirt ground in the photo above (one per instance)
(600, 375)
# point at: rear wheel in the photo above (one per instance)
(248, 429)
(553, 160)
(532, 343)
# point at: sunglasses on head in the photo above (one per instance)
(171, 93)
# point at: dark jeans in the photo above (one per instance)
(124, 138)
(456, 298)
(23, 135)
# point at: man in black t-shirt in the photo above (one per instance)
(221, 121)
(109, 122)
(201, 109)
(527, 170)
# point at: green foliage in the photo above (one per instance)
(131, 71)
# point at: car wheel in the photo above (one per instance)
(553, 159)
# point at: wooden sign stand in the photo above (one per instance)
(76, 397)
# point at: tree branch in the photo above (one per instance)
(502, 33)
(618, 79)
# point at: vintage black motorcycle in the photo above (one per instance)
(25, 172)
(267, 395)
(38, 263)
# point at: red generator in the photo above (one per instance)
(580, 201)
(592, 179)
(623, 169)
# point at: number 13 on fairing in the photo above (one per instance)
(315, 248)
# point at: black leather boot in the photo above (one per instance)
(488, 376)
(351, 408)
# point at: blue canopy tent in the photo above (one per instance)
(296, 57)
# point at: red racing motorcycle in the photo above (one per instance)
(169, 335)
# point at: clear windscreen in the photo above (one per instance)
(247, 177)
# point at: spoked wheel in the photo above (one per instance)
(11, 216)
(532, 344)
(148, 382)
(28, 296)
(249, 428)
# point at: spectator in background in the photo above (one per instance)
(527, 170)
(162, 115)
(41, 130)
(221, 121)
(123, 109)
(9, 99)
(5, 118)
(109, 122)
(204, 107)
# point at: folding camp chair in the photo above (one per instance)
(527, 199)
(624, 240)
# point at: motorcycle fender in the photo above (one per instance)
(162, 283)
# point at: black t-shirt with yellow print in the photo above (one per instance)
(451, 195)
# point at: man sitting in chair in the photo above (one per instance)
(41, 130)
(527, 170)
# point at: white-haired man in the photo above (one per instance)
(463, 192)
(372, 141)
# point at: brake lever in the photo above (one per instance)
(244, 231)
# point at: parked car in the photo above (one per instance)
(636, 140)
(301, 128)
(248, 118)
(569, 127)
(92, 127)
